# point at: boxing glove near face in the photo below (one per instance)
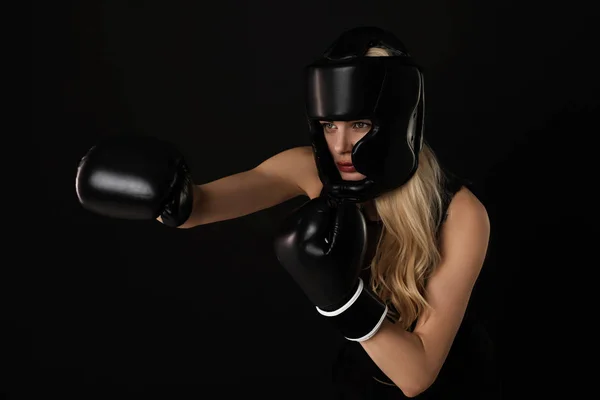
(322, 246)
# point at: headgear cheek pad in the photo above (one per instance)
(346, 85)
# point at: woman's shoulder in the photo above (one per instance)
(468, 202)
(459, 197)
(298, 165)
(466, 212)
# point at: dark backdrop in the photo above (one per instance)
(510, 89)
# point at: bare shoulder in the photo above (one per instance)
(296, 166)
(465, 205)
(467, 227)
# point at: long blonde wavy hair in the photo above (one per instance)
(407, 251)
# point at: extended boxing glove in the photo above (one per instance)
(322, 245)
(135, 177)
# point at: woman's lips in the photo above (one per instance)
(346, 167)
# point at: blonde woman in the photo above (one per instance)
(387, 248)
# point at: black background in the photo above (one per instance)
(511, 97)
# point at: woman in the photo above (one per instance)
(426, 232)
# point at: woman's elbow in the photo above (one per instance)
(413, 391)
(416, 386)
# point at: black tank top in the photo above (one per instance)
(468, 372)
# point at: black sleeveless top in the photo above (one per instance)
(469, 370)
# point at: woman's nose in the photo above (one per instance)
(343, 144)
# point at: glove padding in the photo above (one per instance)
(322, 245)
(136, 177)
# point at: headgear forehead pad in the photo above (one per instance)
(347, 85)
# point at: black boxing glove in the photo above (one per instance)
(136, 177)
(322, 245)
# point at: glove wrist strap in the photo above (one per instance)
(361, 317)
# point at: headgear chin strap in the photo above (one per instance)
(346, 85)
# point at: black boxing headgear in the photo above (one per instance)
(347, 85)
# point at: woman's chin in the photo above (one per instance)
(352, 176)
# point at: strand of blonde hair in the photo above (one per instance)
(408, 251)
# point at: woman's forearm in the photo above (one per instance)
(401, 356)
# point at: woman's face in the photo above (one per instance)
(341, 137)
